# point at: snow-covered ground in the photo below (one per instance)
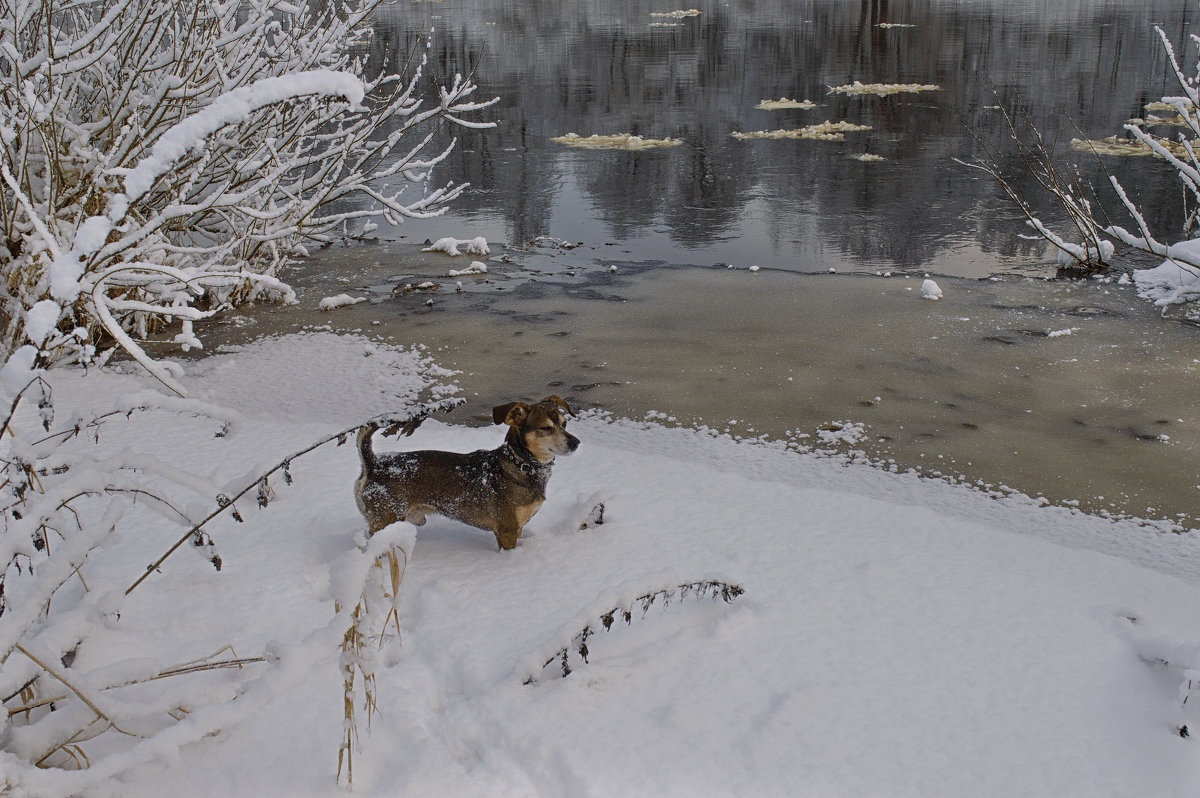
(896, 637)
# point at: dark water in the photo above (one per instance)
(602, 67)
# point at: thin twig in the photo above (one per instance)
(442, 405)
(67, 683)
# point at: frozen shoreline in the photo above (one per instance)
(1046, 387)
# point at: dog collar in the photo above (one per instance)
(527, 465)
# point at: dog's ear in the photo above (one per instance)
(511, 414)
(558, 401)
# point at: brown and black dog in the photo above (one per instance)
(494, 489)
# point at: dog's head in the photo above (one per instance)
(540, 429)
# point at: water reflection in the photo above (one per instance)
(600, 67)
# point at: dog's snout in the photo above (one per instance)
(572, 442)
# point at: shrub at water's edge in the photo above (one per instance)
(1177, 280)
(161, 161)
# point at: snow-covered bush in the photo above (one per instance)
(161, 160)
(63, 507)
(1175, 280)
(1098, 236)
(1036, 159)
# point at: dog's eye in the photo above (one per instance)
(546, 429)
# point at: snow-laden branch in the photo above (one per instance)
(66, 272)
(212, 137)
(1183, 81)
(231, 108)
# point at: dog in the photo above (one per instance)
(494, 489)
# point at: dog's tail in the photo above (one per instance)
(405, 423)
(365, 452)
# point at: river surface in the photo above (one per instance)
(692, 284)
(1080, 67)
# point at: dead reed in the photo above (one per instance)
(711, 588)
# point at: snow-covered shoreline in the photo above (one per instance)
(897, 636)
(1172, 282)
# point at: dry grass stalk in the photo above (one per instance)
(68, 752)
(382, 589)
(712, 588)
(66, 682)
(30, 701)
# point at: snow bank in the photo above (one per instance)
(1172, 282)
(339, 301)
(318, 377)
(475, 246)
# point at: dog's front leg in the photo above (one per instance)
(512, 522)
(507, 534)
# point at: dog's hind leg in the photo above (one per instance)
(379, 520)
(376, 506)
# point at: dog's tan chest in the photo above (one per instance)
(526, 511)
